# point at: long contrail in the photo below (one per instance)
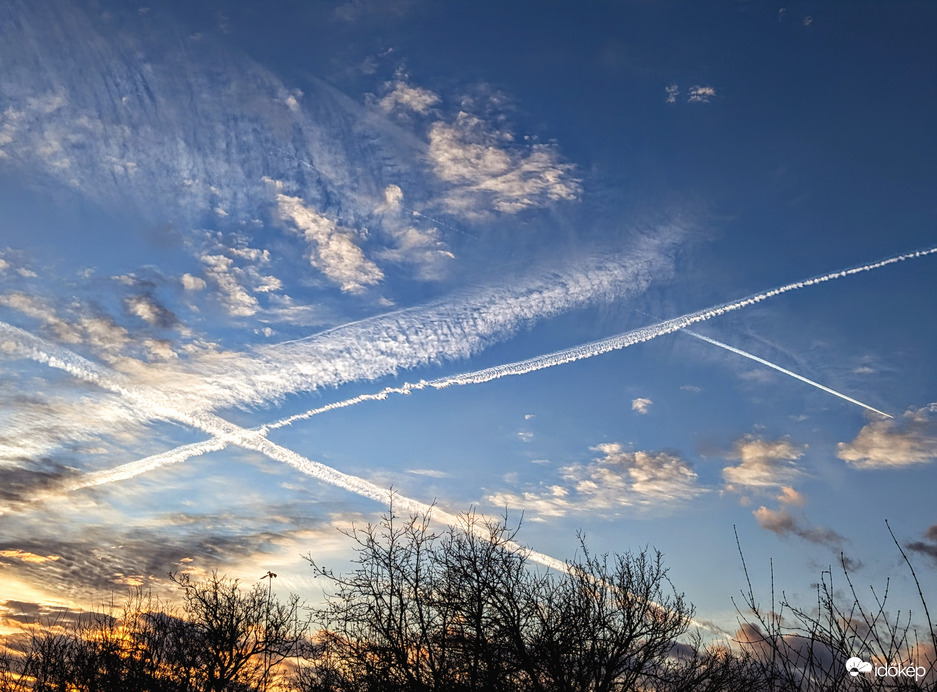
(785, 371)
(521, 367)
(226, 432)
(223, 433)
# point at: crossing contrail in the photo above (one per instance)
(785, 371)
(223, 433)
(521, 367)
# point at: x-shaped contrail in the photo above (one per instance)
(223, 432)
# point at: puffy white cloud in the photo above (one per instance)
(489, 172)
(617, 479)
(912, 439)
(641, 405)
(673, 91)
(393, 196)
(332, 248)
(762, 463)
(193, 283)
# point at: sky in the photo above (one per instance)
(590, 266)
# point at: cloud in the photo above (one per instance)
(95, 559)
(808, 657)
(393, 196)
(100, 138)
(332, 248)
(762, 463)
(455, 328)
(238, 272)
(783, 523)
(617, 479)
(422, 248)
(468, 321)
(430, 473)
(928, 546)
(26, 556)
(789, 496)
(700, 94)
(193, 283)
(910, 440)
(150, 310)
(673, 91)
(489, 171)
(641, 405)
(404, 97)
(76, 322)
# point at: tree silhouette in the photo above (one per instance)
(465, 610)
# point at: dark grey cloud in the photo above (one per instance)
(928, 546)
(783, 523)
(94, 561)
(20, 484)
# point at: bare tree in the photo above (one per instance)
(229, 636)
(799, 647)
(466, 611)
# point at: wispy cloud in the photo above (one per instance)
(907, 441)
(762, 473)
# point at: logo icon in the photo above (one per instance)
(857, 665)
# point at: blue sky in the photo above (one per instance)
(219, 215)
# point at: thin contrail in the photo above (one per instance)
(569, 355)
(785, 371)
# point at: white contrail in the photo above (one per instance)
(226, 432)
(569, 355)
(785, 371)
(223, 432)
